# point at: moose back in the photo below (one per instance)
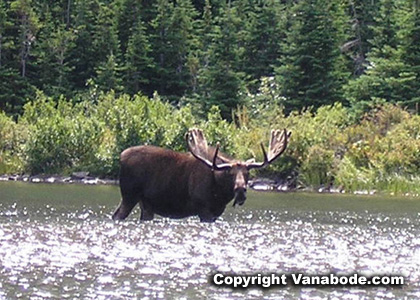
(179, 185)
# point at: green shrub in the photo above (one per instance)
(380, 151)
(400, 185)
(12, 137)
(219, 130)
(62, 137)
(130, 121)
(351, 178)
(316, 168)
(383, 148)
(61, 144)
(316, 139)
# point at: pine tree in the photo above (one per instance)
(53, 49)
(384, 32)
(139, 64)
(19, 28)
(173, 39)
(28, 26)
(220, 81)
(262, 48)
(128, 16)
(308, 74)
(163, 77)
(389, 76)
(105, 37)
(3, 24)
(83, 57)
(108, 75)
(410, 50)
(362, 14)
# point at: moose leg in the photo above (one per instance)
(146, 213)
(130, 196)
(124, 209)
(207, 219)
(210, 214)
(207, 216)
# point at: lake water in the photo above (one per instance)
(59, 242)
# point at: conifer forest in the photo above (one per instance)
(82, 80)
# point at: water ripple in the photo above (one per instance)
(52, 253)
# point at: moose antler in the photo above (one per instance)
(197, 145)
(278, 143)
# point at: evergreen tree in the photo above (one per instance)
(212, 51)
(263, 48)
(390, 75)
(204, 31)
(129, 14)
(139, 62)
(127, 19)
(18, 36)
(162, 48)
(199, 56)
(384, 32)
(385, 80)
(184, 27)
(362, 14)
(53, 49)
(27, 26)
(105, 37)
(410, 50)
(83, 58)
(308, 74)
(108, 75)
(173, 40)
(14, 90)
(3, 24)
(220, 81)
(106, 48)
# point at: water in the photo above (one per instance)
(59, 242)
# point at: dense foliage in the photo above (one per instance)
(212, 52)
(379, 152)
(82, 80)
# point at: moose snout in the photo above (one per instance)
(240, 189)
(240, 196)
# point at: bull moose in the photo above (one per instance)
(179, 185)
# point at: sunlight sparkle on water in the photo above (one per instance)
(54, 250)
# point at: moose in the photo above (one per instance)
(178, 185)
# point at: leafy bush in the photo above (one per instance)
(316, 168)
(351, 178)
(218, 130)
(384, 145)
(315, 141)
(12, 137)
(380, 151)
(138, 120)
(62, 138)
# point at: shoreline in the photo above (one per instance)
(256, 184)
(75, 178)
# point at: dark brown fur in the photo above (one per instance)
(176, 185)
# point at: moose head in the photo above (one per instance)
(231, 175)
